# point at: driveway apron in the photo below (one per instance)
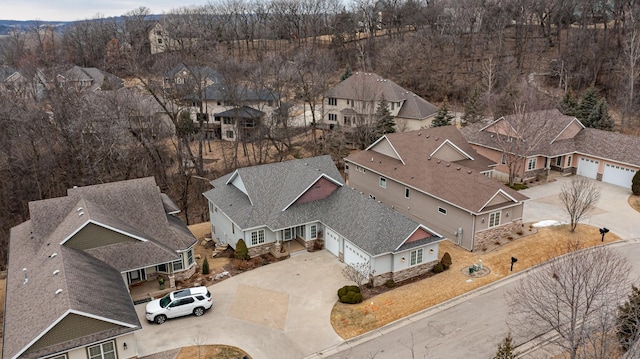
(281, 310)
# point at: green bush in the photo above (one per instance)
(241, 250)
(390, 283)
(347, 289)
(351, 298)
(438, 268)
(205, 266)
(446, 260)
(635, 184)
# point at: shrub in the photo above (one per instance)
(390, 283)
(446, 260)
(346, 289)
(205, 266)
(242, 265)
(519, 232)
(242, 252)
(635, 184)
(438, 268)
(351, 298)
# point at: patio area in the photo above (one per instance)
(144, 291)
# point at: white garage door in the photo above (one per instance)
(353, 255)
(332, 243)
(588, 167)
(618, 175)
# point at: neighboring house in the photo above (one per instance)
(354, 101)
(210, 99)
(23, 84)
(436, 178)
(160, 40)
(90, 79)
(565, 145)
(71, 264)
(306, 200)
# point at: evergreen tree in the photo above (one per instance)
(443, 117)
(473, 109)
(629, 319)
(568, 105)
(506, 349)
(635, 184)
(384, 120)
(347, 73)
(205, 266)
(588, 103)
(599, 117)
(242, 252)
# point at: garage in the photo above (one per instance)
(353, 255)
(618, 175)
(588, 167)
(332, 243)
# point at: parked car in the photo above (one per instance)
(179, 303)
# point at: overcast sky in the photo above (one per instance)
(70, 10)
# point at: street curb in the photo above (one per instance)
(425, 313)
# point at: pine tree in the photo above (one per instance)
(629, 319)
(347, 73)
(568, 105)
(384, 120)
(443, 117)
(473, 109)
(588, 103)
(205, 266)
(506, 349)
(635, 184)
(599, 117)
(242, 252)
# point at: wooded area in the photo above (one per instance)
(483, 56)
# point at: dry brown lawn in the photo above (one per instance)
(355, 319)
(211, 352)
(200, 231)
(634, 202)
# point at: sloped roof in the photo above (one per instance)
(221, 92)
(90, 281)
(198, 72)
(6, 71)
(453, 182)
(372, 87)
(97, 76)
(611, 145)
(270, 190)
(241, 112)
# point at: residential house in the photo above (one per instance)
(353, 102)
(436, 178)
(89, 79)
(160, 40)
(307, 201)
(22, 83)
(70, 267)
(557, 143)
(210, 99)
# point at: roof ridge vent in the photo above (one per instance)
(58, 291)
(26, 277)
(53, 255)
(80, 214)
(56, 272)
(79, 209)
(371, 159)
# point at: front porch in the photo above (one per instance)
(147, 290)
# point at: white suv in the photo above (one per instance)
(178, 303)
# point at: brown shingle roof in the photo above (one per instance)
(451, 182)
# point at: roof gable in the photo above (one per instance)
(501, 127)
(500, 197)
(570, 130)
(320, 189)
(236, 181)
(382, 145)
(93, 235)
(448, 151)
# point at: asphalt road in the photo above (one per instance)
(471, 327)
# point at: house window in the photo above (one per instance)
(179, 80)
(333, 101)
(161, 268)
(352, 102)
(416, 257)
(383, 182)
(442, 210)
(333, 117)
(227, 121)
(190, 257)
(229, 134)
(103, 351)
(531, 165)
(159, 41)
(558, 161)
(177, 265)
(494, 219)
(287, 233)
(504, 159)
(406, 192)
(392, 105)
(314, 231)
(569, 161)
(257, 237)
(347, 120)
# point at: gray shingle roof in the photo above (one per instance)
(372, 87)
(90, 281)
(271, 188)
(241, 112)
(452, 182)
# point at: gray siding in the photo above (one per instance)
(71, 327)
(93, 236)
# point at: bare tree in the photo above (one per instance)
(571, 296)
(579, 196)
(360, 273)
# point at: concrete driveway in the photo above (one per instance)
(612, 211)
(281, 310)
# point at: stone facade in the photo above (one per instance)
(186, 274)
(403, 274)
(261, 249)
(495, 233)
